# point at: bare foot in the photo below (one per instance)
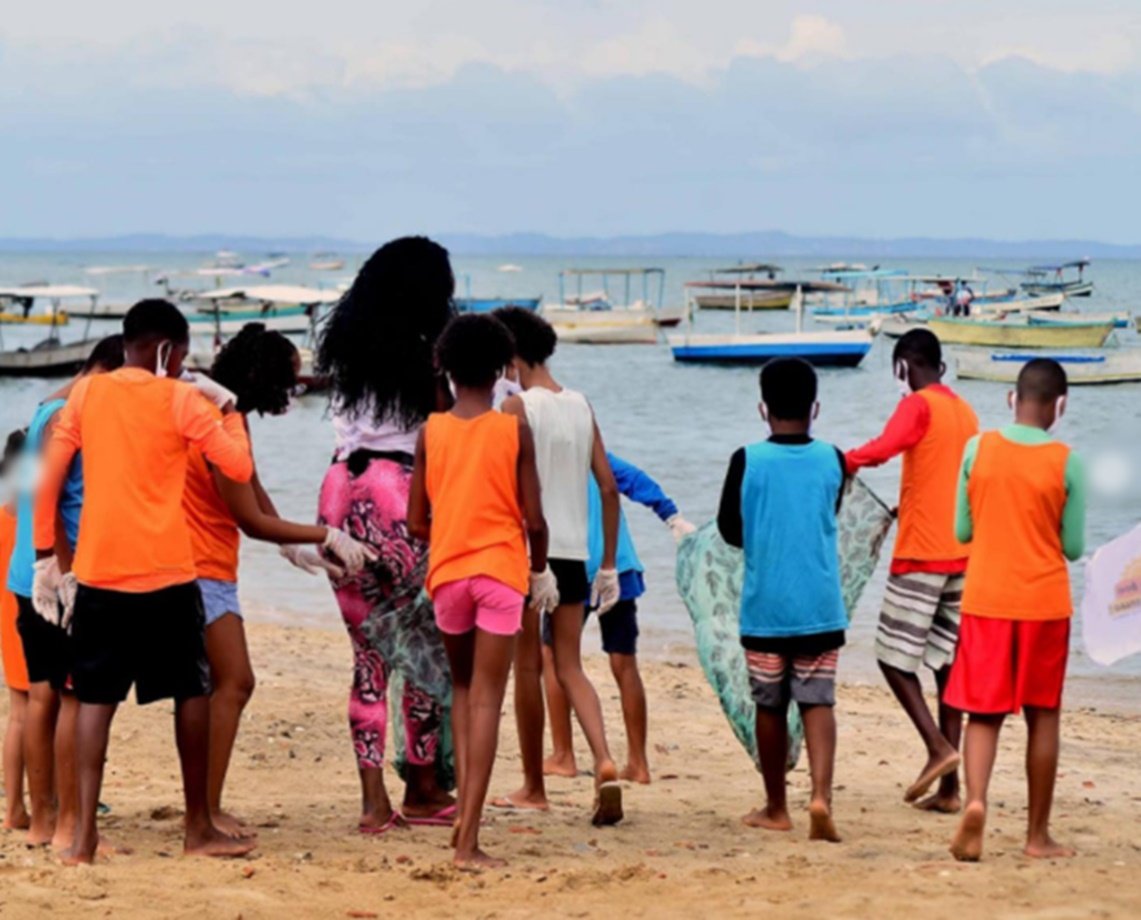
(1048, 848)
(232, 826)
(63, 838)
(967, 844)
(522, 800)
(769, 819)
(478, 861)
(216, 844)
(636, 774)
(75, 857)
(20, 821)
(935, 770)
(943, 804)
(560, 765)
(820, 823)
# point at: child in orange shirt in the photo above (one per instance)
(16, 815)
(475, 497)
(1021, 506)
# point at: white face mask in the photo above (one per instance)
(903, 378)
(162, 358)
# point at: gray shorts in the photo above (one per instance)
(807, 680)
(919, 622)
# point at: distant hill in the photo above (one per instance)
(772, 243)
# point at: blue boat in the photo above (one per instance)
(488, 304)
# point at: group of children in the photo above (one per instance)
(124, 561)
(978, 589)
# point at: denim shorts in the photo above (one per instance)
(219, 598)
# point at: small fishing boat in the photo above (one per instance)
(326, 262)
(1052, 279)
(470, 304)
(727, 286)
(1018, 334)
(1120, 320)
(283, 308)
(599, 319)
(1122, 365)
(51, 357)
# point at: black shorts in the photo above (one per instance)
(156, 641)
(47, 648)
(619, 628)
(574, 588)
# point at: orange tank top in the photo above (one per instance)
(214, 535)
(473, 485)
(1017, 494)
(11, 648)
(930, 479)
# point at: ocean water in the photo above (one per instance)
(679, 423)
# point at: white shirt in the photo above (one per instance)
(563, 427)
(358, 430)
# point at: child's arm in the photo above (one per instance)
(729, 522)
(531, 498)
(258, 524)
(419, 506)
(608, 489)
(906, 428)
(964, 525)
(640, 487)
(1074, 513)
(63, 446)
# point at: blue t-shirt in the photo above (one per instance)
(789, 496)
(20, 569)
(641, 488)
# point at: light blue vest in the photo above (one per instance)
(792, 565)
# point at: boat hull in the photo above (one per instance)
(489, 304)
(604, 327)
(47, 360)
(1011, 335)
(294, 320)
(1066, 289)
(822, 349)
(1122, 366)
(750, 300)
(1119, 320)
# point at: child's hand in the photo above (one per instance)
(606, 591)
(68, 588)
(46, 579)
(213, 391)
(544, 595)
(311, 561)
(354, 554)
(680, 527)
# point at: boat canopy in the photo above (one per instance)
(48, 291)
(755, 268)
(1076, 263)
(806, 287)
(275, 293)
(857, 274)
(613, 271)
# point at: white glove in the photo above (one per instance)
(68, 587)
(311, 561)
(680, 527)
(211, 389)
(606, 592)
(46, 579)
(544, 591)
(352, 553)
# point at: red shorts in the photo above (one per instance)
(1003, 665)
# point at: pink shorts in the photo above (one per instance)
(479, 602)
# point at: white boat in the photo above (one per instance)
(600, 319)
(1121, 365)
(283, 308)
(1052, 279)
(326, 262)
(51, 357)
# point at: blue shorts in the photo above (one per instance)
(619, 627)
(219, 598)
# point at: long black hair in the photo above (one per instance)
(259, 367)
(377, 346)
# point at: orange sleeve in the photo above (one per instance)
(55, 462)
(225, 444)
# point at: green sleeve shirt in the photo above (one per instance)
(1074, 512)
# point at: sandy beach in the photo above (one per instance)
(681, 851)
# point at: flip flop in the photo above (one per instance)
(608, 805)
(395, 820)
(946, 766)
(503, 803)
(445, 817)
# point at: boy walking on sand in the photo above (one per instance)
(919, 623)
(1021, 506)
(779, 504)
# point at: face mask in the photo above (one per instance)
(903, 378)
(504, 387)
(162, 357)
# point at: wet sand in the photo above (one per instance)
(681, 851)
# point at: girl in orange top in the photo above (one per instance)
(16, 815)
(260, 368)
(475, 487)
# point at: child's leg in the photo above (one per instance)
(66, 780)
(772, 750)
(461, 658)
(820, 739)
(233, 678)
(561, 762)
(39, 739)
(634, 714)
(1041, 771)
(92, 729)
(980, 750)
(566, 627)
(493, 655)
(529, 716)
(16, 816)
(946, 798)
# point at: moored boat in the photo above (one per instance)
(281, 307)
(1052, 279)
(51, 357)
(599, 318)
(1120, 320)
(1010, 334)
(739, 285)
(1122, 365)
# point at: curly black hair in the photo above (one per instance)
(535, 338)
(378, 344)
(259, 367)
(474, 349)
(12, 448)
(106, 356)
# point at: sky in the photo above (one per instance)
(1010, 120)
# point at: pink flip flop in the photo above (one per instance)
(395, 820)
(445, 817)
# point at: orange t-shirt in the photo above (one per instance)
(473, 485)
(11, 647)
(930, 478)
(214, 535)
(1017, 493)
(135, 431)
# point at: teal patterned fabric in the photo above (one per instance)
(710, 573)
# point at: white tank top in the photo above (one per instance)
(563, 427)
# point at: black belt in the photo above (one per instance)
(359, 460)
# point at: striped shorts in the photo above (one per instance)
(808, 680)
(919, 622)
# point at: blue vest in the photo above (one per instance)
(70, 500)
(792, 564)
